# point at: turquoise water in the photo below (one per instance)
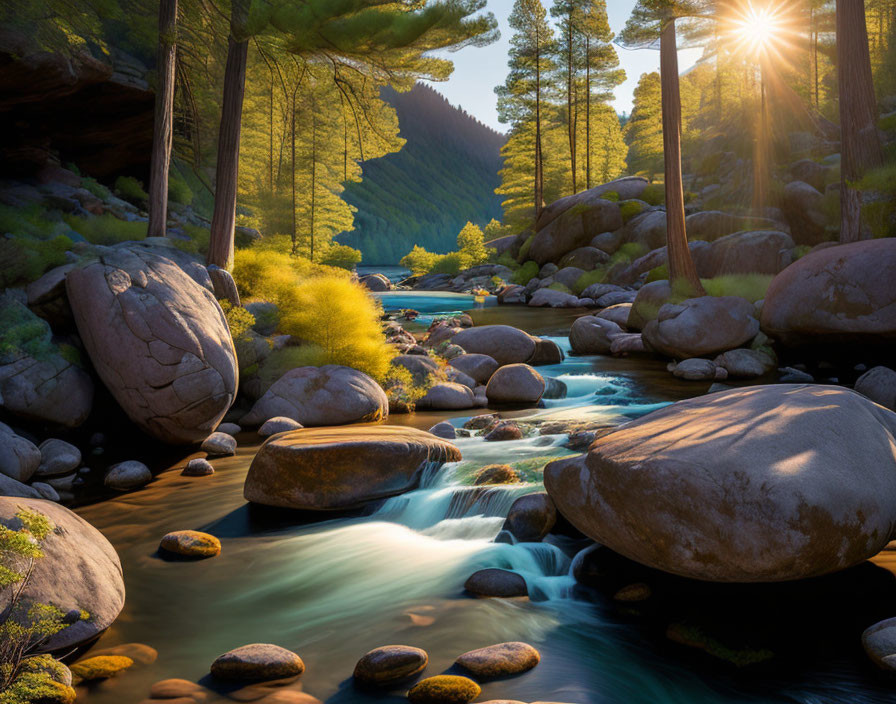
(332, 590)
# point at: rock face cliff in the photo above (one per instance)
(94, 112)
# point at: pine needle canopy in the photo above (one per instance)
(644, 26)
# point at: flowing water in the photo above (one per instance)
(333, 589)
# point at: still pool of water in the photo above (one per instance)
(333, 589)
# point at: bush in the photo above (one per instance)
(418, 260)
(178, 190)
(106, 228)
(239, 320)
(336, 315)
(525, 273)
(506, 260)
(341, 255)
(450, 263)
(596, 276)
(131, 190)
(527, 245)
(471, 245)
(630, 208)
(654, 194)
(749, 286)
(401, 388)
(32, 221)
(96, 188)
(26, 259)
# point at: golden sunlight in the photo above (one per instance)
(758, 30)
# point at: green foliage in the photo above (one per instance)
(595, 276)
(749, 286)
(450, 263)
(32, 221)
(654, 194)
(278, 362)
(36, 685)
(131, 190)
(418, 260)
(96, 188)
(557, 286)
(471, 245)
(525, 273)
(341, 255)
(403, 390)
(658, 273)
(611, 195)
(106, 228)
(527, 245)
(630, 208)
(506, 260)
(178, 189)
(22, 332)
(26, 259)
(644, 129)
(239, 320)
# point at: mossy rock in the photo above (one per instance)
(191, 543)
(37, 688)
(444, 689)
(497, 474)
(100, 667)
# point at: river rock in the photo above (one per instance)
(592, 335)
(531, 517)
(573, 229)
(586, 258)
(19, 457)
(746, 364)
(128, 475)
(546, 352)
(878, 384)
(45, 490)
(763, 484)
(447, 396)
(515, 383)
(158, 340)
(595, 291)
(504, 431)
(99, 667)
(219, 444)
(80, 570)
(804, 210)
(57, 457)
(627, 343)
(182, 690)
(696, 369)
(198, 467)
(879, 642)
(548, 297)
(375, 282)
(258, 661)
(278, 424)
(444, 430)
(500, 660)
(390, 665)
(496, 474)
(617, 313)
(229, 428)
(40, 380)
(699, 327)
(191, 543)
(341, 468)
(328, 395)
(493, 581)
(646, 306)
(13, 487)
(503, 343)
(458, 377)
(756, 252)
(614, 298)
(843, 294)
(444, 689)
(478, 366)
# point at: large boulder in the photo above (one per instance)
(763, 484)
(19, 457)
(647, 229)
(587, 258)
(79, 571)
(550, 298)
(574, 228)
(515, 383)
(375, 282)
(710, 225)
(804, 210)
(759, 252)
(40, 379)
(328, 395)
(477, 366)
(421, 366)
(700, 327)
(447, 396)
(158, 340)
(646, 306)
(592, 335)
(321, 469)
(843, 294)
(879, 384)
(503, 343)
(623, 189)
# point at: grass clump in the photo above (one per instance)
(749, 286)
(106, 229)
(595, 276)
(22, 332)
(525, 273)
(26, 259)
(654, 194)
(130, 189)
(32, 221)
(611, 195)
(178, 190)
(96, 188)
(630, 208)
(527, 245)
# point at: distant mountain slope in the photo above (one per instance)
(444, 176)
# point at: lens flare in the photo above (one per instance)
(759, 30)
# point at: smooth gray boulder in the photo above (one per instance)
(127, 475)
(701, 327)
(761, 484)
(328, 395)
(478, 366)
(592, 335)
(515, 383)
(503, 343)
(447, 396)
(19, 457)
(879, 384)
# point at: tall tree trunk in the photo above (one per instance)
(220, 248)
(295, 226)
(682, 271)
(570, 99)
(313, 172)
(587, 112)
(163, 122)
(860, 143)
(539, 181)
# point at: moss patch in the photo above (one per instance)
(100, 667)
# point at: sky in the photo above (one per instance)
(477, 70)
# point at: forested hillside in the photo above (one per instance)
(444, 176)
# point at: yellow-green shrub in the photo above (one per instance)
(749, 286)
(654, 194)
(595, 276)
(525, 273)
(131, 190)
(106, 228)
(418, 260)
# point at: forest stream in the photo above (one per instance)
(332, 590)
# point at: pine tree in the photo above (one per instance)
(522, 97)
(644, 129)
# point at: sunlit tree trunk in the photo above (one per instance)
(587, 112)
(220, 249)
(682, 271)
(860, 143)
(313, 172)
(539, 182)
(570, 100)
(163, 122)
(295, 226)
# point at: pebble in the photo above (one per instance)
(444, 689)
(390, 664)
(278, 424)
(219, 444)
(493, 581)
(500, 660)
(191, 543)
(257, 661)
(198, 467)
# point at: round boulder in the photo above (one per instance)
(444, 430)
(278, 424)
(320, 469)
(477, 366)
(700, 327)
(763, 484)
(375, 282)
(503, 343)
(328, 395)
(746, 364)
(444, 689)
(879, 384)
(19, 457)
(531, 517)
(617, 313)
(198, 467)
(500, 660)
(80, 570)
(257, 662)
(592, 335)
(219, 444)
(128, 475)
(879, 642)
(504, 431)
(493, 581)
(447, 396)
(515, 383)
(496, 474)
(389, 665)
